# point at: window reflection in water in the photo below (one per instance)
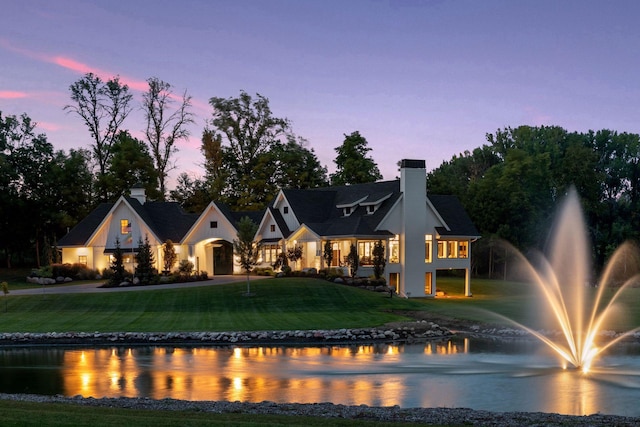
(296, 374)
(481, 374)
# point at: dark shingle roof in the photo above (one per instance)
(79, 234)
(454, 215)
(316, 208)
(166, 219)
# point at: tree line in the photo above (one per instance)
(511, 187)
(248, 155)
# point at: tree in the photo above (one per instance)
(117, 266)
(297, 166)
(250, 131)
(245, 248)
(39, 188)
(294, 254)
(103, 106)
(130, 164)
(214, 163)
(191, 193)
(327, 253)
(352, 164)
(164, 126)
(169, 256)
(379, 261)
(145, 271)
(352, 260)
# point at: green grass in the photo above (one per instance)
(520, 302)
(278, 304)
(56, 414)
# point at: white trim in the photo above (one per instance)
(435, 211)
(198, 222)
(110, 214)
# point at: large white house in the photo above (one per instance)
(421, 234)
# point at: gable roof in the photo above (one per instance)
(454, 215)
(167, 220)
(321, 209)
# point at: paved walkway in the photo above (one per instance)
(93, 288)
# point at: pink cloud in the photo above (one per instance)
(12, 94)
(50, 127)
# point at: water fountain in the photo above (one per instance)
(579, 307)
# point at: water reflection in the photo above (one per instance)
(492, 375)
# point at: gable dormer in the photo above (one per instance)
(350, 207)
(371, 206)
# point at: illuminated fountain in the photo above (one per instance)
(576, 308)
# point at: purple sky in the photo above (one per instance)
(418, 79)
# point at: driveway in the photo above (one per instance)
(94, 288)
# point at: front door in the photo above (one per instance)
(222, 258)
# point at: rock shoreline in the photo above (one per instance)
(439, 416)
(418, 331)
(404, 332)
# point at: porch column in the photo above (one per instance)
(467, 282)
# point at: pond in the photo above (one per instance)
(495, 375)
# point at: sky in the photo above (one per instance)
(418, 79)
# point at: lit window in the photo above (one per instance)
(442, 249)
(270, 253)
(394, 250)
(213, 224)
(463, 249)
(452, 249)
(428, 288)
(365, 252)
(82, 259)
(125, 226)
(428, 247)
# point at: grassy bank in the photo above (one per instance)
(278, 304)
(58, 414)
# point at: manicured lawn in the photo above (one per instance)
(278, 304)
(55, 414)
(518, 301)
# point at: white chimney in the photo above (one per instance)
(138, 193)
(413, 184)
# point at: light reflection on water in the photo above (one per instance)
(491, 375)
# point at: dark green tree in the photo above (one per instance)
(327, 253)
(379, 261)
(103, 107)
(145, 270)
(192, 193)
(116, 266)
(245, 248)
(352, 164)
(165, 126)
(352, 260)
(250, 131)
(297, 166)
(130, 164)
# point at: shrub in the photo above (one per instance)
(185, 268)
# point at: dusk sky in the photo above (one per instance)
(418, 79)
